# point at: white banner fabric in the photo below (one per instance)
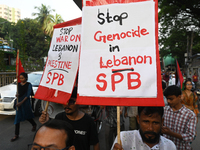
(118, 52)
(63, 58)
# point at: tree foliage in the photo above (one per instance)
(30, 39)
(46, 19)
(31, 36)
(50, 22)
(43, 14)
(5, 29)
(179, 30)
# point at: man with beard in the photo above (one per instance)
(83, 124)
(150, 120)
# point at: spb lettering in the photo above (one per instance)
(55, 78)
(103, 18)
(101, 78)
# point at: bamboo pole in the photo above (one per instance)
(46, 107)
(17, 76)
(118, 125)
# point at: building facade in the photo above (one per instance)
(9, 13)
(194, 67)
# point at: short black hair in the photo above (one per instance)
(151, 110)
(61, 125)
(172, 90)
(25, 75)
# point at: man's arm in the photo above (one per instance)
(190, 129)
(189, 132)
(96, 147)
(166, 130)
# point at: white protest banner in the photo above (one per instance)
(119, 61)
(62, 64)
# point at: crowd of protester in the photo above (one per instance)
(150, 128)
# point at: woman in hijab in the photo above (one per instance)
(23, 107)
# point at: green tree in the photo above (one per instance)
(2, 62)
(51, 21)
(6, 30)
(179, 28)
(2, 22)
(42, 14)
(30, 39)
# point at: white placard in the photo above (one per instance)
(63, 58)
(118, 53)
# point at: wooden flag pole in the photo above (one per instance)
(118, 125)
(17, 76)
(46, 107)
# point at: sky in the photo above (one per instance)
(66, 8)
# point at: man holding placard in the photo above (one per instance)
(84, 127)
(150, 120)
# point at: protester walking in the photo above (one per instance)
(23, 106)
(179, 121)
(189, 98)
(195, 79)
(84, 128)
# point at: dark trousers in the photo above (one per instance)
(17, 126)
(110, 135)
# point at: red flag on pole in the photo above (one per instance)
(19, 67)
(179, 77)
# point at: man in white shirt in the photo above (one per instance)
(172, 81)
(150, 120)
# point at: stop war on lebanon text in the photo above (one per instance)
(72, 48)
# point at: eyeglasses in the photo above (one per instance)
(38, 147)
(188, 84)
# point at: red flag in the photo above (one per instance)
(19, 67)
(179, 77)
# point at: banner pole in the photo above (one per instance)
(118, 125)
(46, 107)
(17, 75)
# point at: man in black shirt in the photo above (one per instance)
(84, 127)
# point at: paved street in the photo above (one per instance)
(26, 136)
